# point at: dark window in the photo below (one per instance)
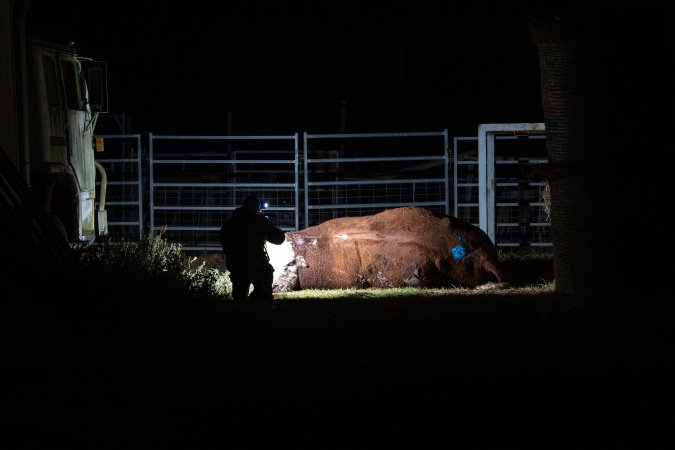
(70, 80)
(97, 83)
(51, 83)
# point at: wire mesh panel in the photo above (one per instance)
(362, 174)
(194, 182)
(465, 163)
(521, 217)
(122, 160)
(197, 181)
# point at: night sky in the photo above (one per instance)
(282, 67)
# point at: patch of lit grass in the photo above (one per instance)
(410, 292)
(155, 262)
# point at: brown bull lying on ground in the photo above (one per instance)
(409, 246)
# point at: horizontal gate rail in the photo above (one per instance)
(122, 161)
(195, 181)
(192, 183)
(357, 185)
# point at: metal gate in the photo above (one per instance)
(196, 181)
(122, 160)
(359, 174)
(497, 186)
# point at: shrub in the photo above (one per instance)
(153, 262)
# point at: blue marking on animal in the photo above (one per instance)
(458, 251)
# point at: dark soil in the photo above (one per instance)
(528, 272)
(145, 369)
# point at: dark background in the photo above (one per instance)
(286, 66)
(504, 374)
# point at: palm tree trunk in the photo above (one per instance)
(564, 88)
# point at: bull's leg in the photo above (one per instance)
(485, 269)
(490, 267)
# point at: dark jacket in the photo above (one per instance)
(244, 234)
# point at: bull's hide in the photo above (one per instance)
(407, 246)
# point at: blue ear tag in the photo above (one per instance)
(458, 251)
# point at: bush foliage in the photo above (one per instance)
(153, 262)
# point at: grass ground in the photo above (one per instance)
(521, 267)
(522, 367)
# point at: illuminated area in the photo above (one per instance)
(408, 246)
(282, 259)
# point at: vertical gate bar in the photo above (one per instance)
(454, 175)
(297, 184)
(305, 176)
(139, 167)
(490, 187)
(482, 180)
(447, 171)
(151, 182)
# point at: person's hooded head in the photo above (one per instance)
(252, 203)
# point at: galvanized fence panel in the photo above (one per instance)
(121, 158)
(518, 201)
(365, 173)
(195, 183)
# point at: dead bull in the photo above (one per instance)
(409, 246)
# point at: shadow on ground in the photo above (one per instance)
(145, 369)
